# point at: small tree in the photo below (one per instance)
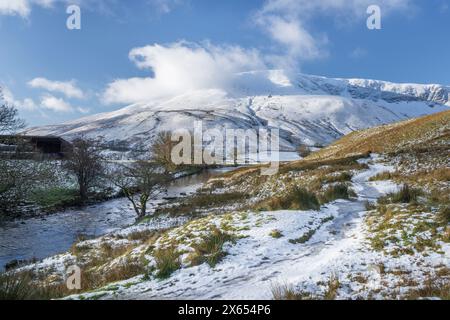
(13, 175)
(161, 151)
(86, 163)
(141, 182)
(9, 117)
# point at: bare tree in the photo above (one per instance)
(161, 151)
(17, 178)
(86, 163)
(9, 117)
(141, 182)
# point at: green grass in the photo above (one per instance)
(276, 234)
(304, 238)
(55, 197)
(204, 201)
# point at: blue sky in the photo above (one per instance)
(54, 74)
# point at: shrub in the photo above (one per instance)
(210, 249)
(167, 262)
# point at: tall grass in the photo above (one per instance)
(167, 262)
(297, 199)
(334, 192)
(287, 292)
(210, 249)
(405, 195)
(14, 286)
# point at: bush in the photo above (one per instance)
(210, 249)
(167, 262)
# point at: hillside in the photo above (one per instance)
(307, 110)
(424, 132)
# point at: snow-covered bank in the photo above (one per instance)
(309, 249)
(41, 237)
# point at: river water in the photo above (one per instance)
(42, 237)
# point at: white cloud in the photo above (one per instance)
(68, 88)
(55, 104)
(15, 7)
(23, 8)
(26, 104)
(164, 6)
(287, 23)
(181, 67)
(47, 102)
(358, 53)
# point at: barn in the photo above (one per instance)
(34, 147)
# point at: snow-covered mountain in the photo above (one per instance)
(309, 109)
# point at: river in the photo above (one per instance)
(42, 237)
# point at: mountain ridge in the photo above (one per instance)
(308, 110)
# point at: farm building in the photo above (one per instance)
(33, 147)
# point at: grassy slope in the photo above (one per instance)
(391, 138)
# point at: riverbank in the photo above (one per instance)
(38, 237)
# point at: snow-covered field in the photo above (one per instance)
(336, 246)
